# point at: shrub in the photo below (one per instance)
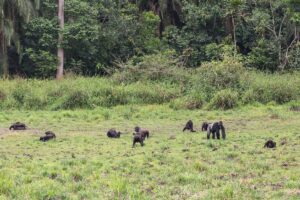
(220, 74)
(265, 88)
(19, 93)
(224, 99)
(191, 102)
(34, 101)
(156, 67)
(76, 99)
(295, 106)
(2, 95)
(249, 97)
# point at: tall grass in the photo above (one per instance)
(217, 85)
(81, 93)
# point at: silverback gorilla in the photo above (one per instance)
(270, 144)
(18, 126)
(112, 133)
(215, 129)
(189, 126)
(48, 136)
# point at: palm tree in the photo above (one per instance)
(12, 12)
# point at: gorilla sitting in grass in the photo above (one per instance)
(112, 133)
(48, 136)
(270, 144)
(18, 126)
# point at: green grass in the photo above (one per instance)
(82, 163)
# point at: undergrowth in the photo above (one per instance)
(217, 85)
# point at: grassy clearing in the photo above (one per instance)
(82, 163)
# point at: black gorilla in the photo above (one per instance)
(18, 126)
(48, 136)
(138, 137)
(215, 129)
(270, 144)
(112, 133)
(189, 126)
(142, 132)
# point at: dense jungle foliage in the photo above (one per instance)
(103, 36)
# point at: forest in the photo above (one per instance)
(102, 37)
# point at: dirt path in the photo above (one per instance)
(4, 131)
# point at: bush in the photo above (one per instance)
(295, 106)
(249, 97)
(79, 92)
(19, 94)
(190, 102)
(224, 99)
(218, 75)
(34, 101)
(158, 67)
(76, 99)
(2, 95)
(265, 88)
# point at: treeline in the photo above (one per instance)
(102, 36)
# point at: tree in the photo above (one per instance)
(275, 25)
(168, 11)
(12, 12)
(233, 11)
(60, 50)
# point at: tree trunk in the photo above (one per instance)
(3, 56)
(60, 50)
(234, 35)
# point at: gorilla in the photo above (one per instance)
(18, 126)
(142, 132)
(189, 126)
(138, 137)
(214, 128)
(48, 136)
(112, 133)
(270, 144)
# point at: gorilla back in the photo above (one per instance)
(112, 133)
(270, 144)
(48, 136)
(18, 126)
(214, 129)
